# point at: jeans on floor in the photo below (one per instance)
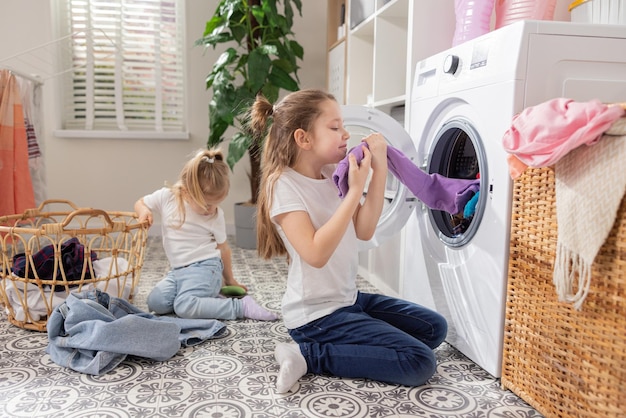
(193, 292)
(92, 332)
(379, 337)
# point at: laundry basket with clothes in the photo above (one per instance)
(58, 248)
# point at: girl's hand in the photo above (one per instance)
(378, 147)
(358, 173)
(143, 212)
(146, 216)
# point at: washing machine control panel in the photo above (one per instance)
(451, 64)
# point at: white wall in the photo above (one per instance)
(112, 173)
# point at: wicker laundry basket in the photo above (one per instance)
(564, 362)
(58, 248)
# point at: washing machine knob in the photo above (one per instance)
(451, 64)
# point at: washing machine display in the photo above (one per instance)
(459, 113)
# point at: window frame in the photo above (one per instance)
(67, 87)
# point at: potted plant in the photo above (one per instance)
(261, 56)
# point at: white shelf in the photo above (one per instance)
(380, 52)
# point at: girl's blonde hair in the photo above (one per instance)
(298, 110)
(206, 174)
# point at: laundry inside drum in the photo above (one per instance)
(455, 155)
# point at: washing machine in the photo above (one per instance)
(463, 100)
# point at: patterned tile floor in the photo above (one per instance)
(233, 376)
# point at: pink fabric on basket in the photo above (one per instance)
(541, 135)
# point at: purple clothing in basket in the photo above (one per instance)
(436, 191)
(71, 261)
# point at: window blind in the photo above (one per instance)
(126, 66)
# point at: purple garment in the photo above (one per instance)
(436, 191)
(71, 261)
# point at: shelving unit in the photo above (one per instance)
(372, 63)
(336, 45)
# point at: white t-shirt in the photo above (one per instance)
(315, 292)
(193, 241)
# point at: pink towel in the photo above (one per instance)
(540, 135)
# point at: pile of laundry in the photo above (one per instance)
(89, 330)
(38, 299)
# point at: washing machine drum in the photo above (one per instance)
(360, 121)
(457, 152)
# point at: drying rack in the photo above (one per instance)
(56, 57)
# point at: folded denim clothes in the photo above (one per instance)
(93, 332)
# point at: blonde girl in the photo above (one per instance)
(195, 243)
(337, 329)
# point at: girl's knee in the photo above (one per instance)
(439, 331)
(158, 305)
(420, 367)
(184, 309)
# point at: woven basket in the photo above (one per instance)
(59, 248)
(563, 362)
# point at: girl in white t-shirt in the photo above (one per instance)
(338, 330)
(194, 238)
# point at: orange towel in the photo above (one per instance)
(16, 187)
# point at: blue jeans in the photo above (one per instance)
(193, 292)
(379, 337)
(92, 332)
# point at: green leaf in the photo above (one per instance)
(239, 33)
(288, 14)
(220, 74)
(237, 148)
(258, 13)
(282, 79)
(298, 5)
(297, 49)
(270, 91)
(216, 133)
(213, 24)
(259, 65)
(285, 65)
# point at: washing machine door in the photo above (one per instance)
(361, 121)
(458, 152)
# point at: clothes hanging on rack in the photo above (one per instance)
(16, 187)
(30, 90)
